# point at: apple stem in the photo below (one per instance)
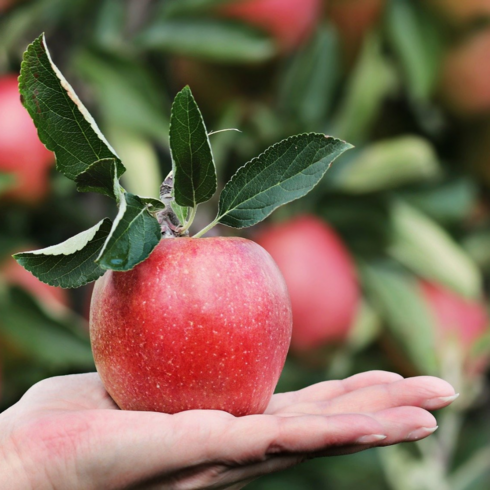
(190, 220)
(199, 234)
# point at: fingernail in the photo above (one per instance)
(420, 433)
(370, 439)
(434, 403)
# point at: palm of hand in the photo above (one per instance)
(66, 432)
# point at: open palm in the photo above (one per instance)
(67, 433)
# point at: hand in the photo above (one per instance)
(67, 433)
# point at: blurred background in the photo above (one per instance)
(387, 260)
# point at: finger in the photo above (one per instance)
(131, 447)
(423, 391)
(331, 389)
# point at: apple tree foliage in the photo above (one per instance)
(284, 172)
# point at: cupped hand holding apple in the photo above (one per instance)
(66, 432)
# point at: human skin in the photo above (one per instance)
(66, 432)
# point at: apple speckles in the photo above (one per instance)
(220, 343)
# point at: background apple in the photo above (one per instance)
(202, 323)
(320, 276)
(465, 78)
(21, 152)
(290, 22)
(457, 320)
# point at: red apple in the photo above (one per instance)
(456, 319)
(21, 152)
(55, 299)
(465, 78)
(290, 22)
(354, 19)
(203, 323)
(321, 279)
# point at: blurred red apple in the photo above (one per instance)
(354, 19)
(55, 299)
(457, 319)
(21, 152)
(321, 279)
(203, 323)
(465, 78)
(290, 22)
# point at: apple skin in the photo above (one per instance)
(21, 152)
(465, 77)
(321, 279)
(456, 319)
(201, 324)
(290, 22)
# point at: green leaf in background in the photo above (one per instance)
(209, 39)
(194, 171)
(44, 339)
(426, 248)
(396, 296)
(185, 7)
(309, 83)
(127, 95)
(7, 181)
(64, 125)
(387, 164)
(70, 264)
(372, 80)
(101, 177)
(181, 212)
(419, 45)
(284, 172)
(135, 233)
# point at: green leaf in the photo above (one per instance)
(126, 94)
(308, 86)
(69, 264)
(284, 172)
(190, 7)
(135, 233)
(418, 42)
(387, 164)
(373, 78)
(194, 169)
(64, 125)
(426, 248)
(44, 339)
(7, 181)
(209, 39)
(101, 177)
(400, 302)
(180, 211)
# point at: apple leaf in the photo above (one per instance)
(194, 170)
(135, 233)
(286, 171)
(209, 39)
(70, 264)
(64, 124)
(102, 177)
